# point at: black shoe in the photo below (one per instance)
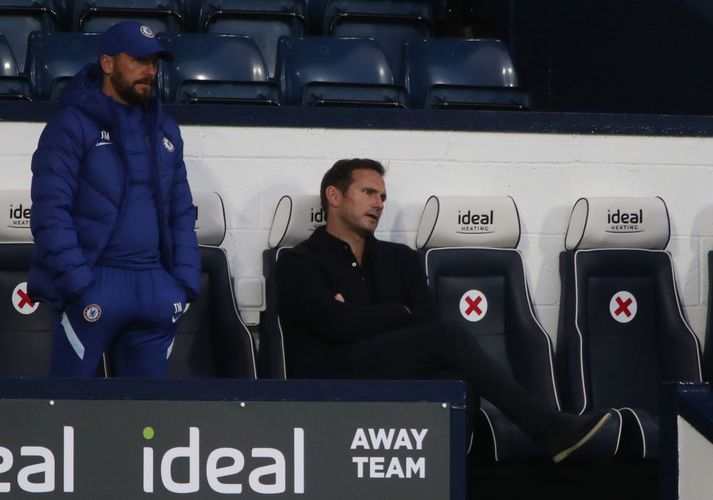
(570, 432)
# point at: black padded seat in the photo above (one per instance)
(478, 278)
(622, 331)
(296, 216)
(25, 326)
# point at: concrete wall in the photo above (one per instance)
(545, 174)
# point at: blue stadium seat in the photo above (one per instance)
(54, 58)
(191, 15)
(389, 22)
(622, 331)
(12, 85)
(294, 220)
(478, 279)
(462, 74)
(19, 18)
(265, 21)
(211, 68)
(211, 341)
(315, 16)
(95, 16)
(329, 71)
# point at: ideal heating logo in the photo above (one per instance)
(19, 216)
(625, 222)
(475, 223)
(36, 469)
(262, 470)
(316, 218)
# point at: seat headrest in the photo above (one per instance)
(618, 223)
(296, 217)
(16, 205)
(469, 221)
(210, 218)
(15, 219)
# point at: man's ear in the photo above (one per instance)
(107, 64)
(334, 196)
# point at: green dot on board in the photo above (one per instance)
(148, 433)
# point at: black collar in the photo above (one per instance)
(331, 243)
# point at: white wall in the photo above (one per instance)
(544, 173)
(695, 454)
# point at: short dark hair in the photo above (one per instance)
(340, 176)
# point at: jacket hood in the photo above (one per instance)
(84, 92)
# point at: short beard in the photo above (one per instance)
(127, 92)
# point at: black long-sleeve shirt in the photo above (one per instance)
(387, 292)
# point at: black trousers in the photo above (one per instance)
(429, 351)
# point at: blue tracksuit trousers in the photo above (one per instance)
(132, 313)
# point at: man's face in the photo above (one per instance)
(132, 78)
(360, 207)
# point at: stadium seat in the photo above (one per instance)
(389, 22)
(25, 326)
(478, 278)
(12, 85)
(462, 74)
(191, 15)
(315, 16)
(208, 68)
(621, 330)
(211, 341)
(54, 58)
(95, 16)
(19, 18)
(327, 71)
(294, 220)
(265, 21)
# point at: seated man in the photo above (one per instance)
(352, 306)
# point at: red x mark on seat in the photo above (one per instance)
(24, 299)
(473, 306)
(623, 306)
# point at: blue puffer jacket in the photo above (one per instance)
(79, 186)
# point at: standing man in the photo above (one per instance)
(112, 215)
(352, 306)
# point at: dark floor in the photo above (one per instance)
(570, 480)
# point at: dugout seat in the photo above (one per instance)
(622, 331)
(13, 86)
(327, 71)
(478, 279)
(25, 326)
(389, 22)
(54, 58)
(222, 69)
(19, 18)
(265, 21)
(96, 16)
(448, 73)
(212, 341)
(295, 218)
